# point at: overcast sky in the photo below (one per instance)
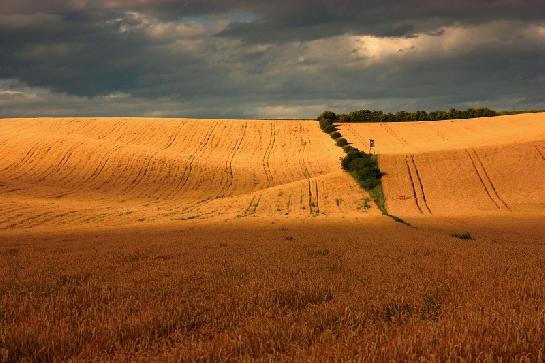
(266, 58)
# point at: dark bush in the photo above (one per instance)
(341, 141)
(325, 122)
(348, 148)
(464, 236)
(335, 134)
(329, 129)
(364, 167)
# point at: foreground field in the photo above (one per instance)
(72, 173)
(305, 291)
(488, 166)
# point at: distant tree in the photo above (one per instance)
(379, 116)
(343, 117)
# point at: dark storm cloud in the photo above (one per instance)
(267, 58)
(308, 19)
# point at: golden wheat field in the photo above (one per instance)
(58, 173)
(210, 240)
(486, 166)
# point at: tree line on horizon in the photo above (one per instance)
(380, 116)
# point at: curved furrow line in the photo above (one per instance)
(317, 197)
(170, 141)
(142, 172)
(21, 210)
(288, 206)
(392, 133)
(421, 185)
(110, 131)
(229, 164)
(4, 145)
(23, 222)
(101, 165)
(310, 204)
(490, 180)
(252, 208)
(481, 180)
(304, 165)
(83, 217)
(313, 205)
(8, 224)
(197, 151)
(67, 179)
(540, 152)
(174, 136)
(163, 178)
(117, 130)
(16, 163)
(415, 196)
(8, 209)
(29, 158)
(302, 148)
(267, 155)
(356, 134)
(41, 168)
(139, 135)
(120, 170)
(62, 162)
(48, 219)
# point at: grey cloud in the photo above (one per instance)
(79, 53)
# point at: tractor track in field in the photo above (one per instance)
(174, 136)
(494, 190)
(420, 184)
(302, 149)
(101, 165)
(313, 198)
(481, 180)
(540, 152)
(267, 156)
(392, 133)
(485, 180)
(17, 163)
(197, 151)
(62, 162)
(229, 164)
(142, 172)
(356, 134)
(116, 126)
(411, 179)
(252, 207)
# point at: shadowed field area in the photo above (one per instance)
(312, 290)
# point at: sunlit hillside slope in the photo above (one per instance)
(485, 166)
(102, 172)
